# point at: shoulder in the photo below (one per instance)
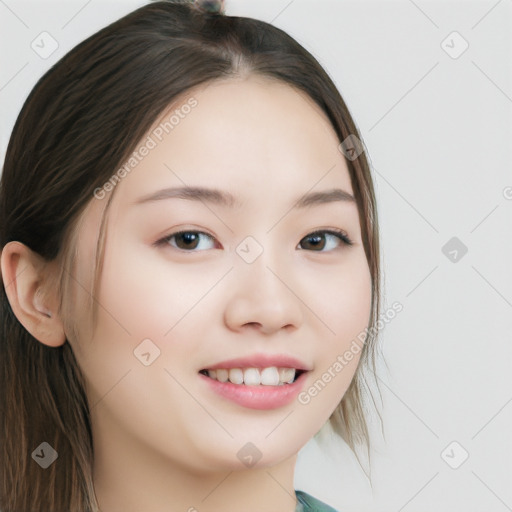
(306, 503)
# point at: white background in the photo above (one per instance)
(438, 131)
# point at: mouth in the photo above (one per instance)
(251, 376)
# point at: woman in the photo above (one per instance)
(190, 269)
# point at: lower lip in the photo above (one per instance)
(257, 397)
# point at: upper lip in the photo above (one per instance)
(261, 361)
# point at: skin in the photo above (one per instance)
(163, 439)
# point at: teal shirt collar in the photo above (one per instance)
(306, 503)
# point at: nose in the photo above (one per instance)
(262, 297)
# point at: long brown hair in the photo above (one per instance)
(81, 121)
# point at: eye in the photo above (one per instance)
(317, 239)
(190, 240)
(185, 240)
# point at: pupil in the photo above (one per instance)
(317, 240)
(189, 238)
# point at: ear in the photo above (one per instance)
(23, 275)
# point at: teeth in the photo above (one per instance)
(271, 376)
(236, 376)
(252, 377)
(222, 375)
(286, 375)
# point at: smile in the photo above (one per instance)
(270, 376)
(250, 390)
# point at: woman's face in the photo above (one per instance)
(247, 280)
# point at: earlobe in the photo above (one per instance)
(23, 278)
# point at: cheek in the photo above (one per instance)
(343, 303)
(343, 300)
(147, 296)
(139, 298)
(147, 293)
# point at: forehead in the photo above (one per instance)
(251, 136)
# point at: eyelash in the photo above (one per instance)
(338, 233)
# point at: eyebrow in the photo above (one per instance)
(226, 199)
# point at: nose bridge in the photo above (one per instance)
(259, 294)
(258, 263)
